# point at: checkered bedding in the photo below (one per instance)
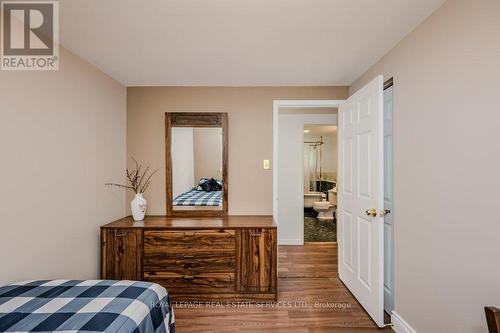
(199, 198)
(85, 306)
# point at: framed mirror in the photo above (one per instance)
(196, 163)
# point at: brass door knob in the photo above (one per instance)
(371, 212)
(385, 212)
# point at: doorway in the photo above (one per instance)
(320, 178)
(365, 240)
(288, 156)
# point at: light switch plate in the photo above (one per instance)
(265, 164)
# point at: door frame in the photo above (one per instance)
(296, 104)
(291, 104)
(389, 83)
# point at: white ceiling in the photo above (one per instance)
(237, 42)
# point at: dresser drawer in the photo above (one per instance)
(190, 262)
(193, 283)
(156, 242)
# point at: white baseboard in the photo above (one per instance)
(290, 242)
(399, 325)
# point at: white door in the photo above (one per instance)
(388, 204)
(361, 190)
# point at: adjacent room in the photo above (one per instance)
(320, 183)
(246, 166)
(196, 168)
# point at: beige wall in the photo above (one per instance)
(62, 136)
(183, 164)
(250, 135)
(207, 147)
(447, 162)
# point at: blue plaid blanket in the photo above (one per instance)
(85, 306)
(199, 198)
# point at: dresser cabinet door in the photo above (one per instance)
(258, 260)
(121, 254)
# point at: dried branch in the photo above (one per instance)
(137, 168)
(146, 184)
(145, 187)
(144, 173)
(129, 178)
(136, 180)
(119, 185)
(136, 176)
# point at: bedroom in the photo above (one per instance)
(67, 132)
(196, 168)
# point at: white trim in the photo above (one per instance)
(306, 103)
(301, 188)
(291, 104)
(291, 241)
(399, 325)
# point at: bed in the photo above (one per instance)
(85, 306)
(195, 197)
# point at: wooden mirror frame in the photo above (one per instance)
(195, 119)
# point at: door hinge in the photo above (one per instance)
(385, 212)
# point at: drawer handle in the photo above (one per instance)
(256, 234)
(189, 256)
(188, 277)
(120, 234)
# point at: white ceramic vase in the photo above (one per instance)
(138, 206)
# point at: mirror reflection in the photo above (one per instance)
(196, 168)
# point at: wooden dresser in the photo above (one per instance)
(231, 258)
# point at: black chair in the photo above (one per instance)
(493, 319)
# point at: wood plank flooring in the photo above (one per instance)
(311, 299)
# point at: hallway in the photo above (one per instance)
(311, 298)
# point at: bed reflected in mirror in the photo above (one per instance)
(196, 168)
(196, 151)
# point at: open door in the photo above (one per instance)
(361, 197)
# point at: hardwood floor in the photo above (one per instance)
(311, 299)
